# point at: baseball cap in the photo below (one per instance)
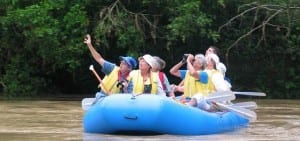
(129, 60)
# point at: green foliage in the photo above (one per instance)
(21, 82)
(270, 47)
(189, 21)
(42, 50)
(43, 42)
(119, 24)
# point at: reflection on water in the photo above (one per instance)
(62, 120)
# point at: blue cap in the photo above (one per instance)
(129, 60)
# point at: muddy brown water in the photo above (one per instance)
(62, 120)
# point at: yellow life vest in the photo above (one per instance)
(111, 80)
(138, 82)
(211, 86)
(193, 86)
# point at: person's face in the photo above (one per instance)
(143, 65)
(197, 65)
(210, 63)
(124, 67)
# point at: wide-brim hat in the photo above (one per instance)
(149, 59)
(129, 60)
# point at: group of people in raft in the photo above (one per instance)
(205, 75)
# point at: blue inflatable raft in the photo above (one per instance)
(145, 113)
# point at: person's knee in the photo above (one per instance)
(193, 102)
(204, 105)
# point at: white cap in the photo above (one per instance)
(149, 59)
(214, 57)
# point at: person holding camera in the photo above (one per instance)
(115, 76)
(216, 83)
(195, 79)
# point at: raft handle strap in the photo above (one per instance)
(131, 117)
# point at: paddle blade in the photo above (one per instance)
(86, 103)
(247, 105)
(221, 96)
(250, 93)
(250, 115)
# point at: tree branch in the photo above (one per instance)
(249, 33)
(235, 17)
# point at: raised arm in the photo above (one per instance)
(190, 66)
(95, 54)
(175, 69)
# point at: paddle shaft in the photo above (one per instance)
(238, 110)
(100, 81)
(248, 105)
(250, 93)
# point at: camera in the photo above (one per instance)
(184, 58)
(120, 84)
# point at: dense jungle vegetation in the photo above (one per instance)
(42, 50)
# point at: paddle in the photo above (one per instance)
(99, 79)
(86, 103)
(250, 93)
(221, 96)
(250, 115)
(217, 97)
(248, 105)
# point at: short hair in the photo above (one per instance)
(201, 59)
(160, 62)
(215, 50)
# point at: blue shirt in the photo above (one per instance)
(107, 67)
(203, 76)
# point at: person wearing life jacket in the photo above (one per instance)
(195, 79)
(143, 80)
(220, 66)
(115, 75)
(216, 82)
(159, 65)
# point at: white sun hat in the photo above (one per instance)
(149, 59)
(214, 57)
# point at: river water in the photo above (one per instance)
(62, 120)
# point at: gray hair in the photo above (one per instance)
(160, 62)
(201, 59)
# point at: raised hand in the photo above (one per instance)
(87, 39)
(190, 58)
